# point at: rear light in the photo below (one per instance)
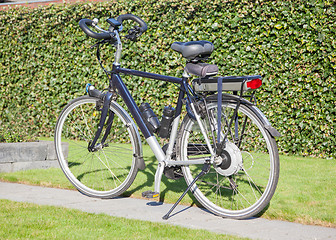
(254, 83)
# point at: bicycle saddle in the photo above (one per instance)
(194, 50)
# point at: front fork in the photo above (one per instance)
(106, 98)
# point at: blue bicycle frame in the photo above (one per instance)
(126, 96)
(185, 89)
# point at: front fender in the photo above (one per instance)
(140, 163)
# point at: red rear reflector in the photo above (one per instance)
(254, 83)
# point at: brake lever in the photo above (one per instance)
(133, 33)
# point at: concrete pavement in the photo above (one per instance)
(190, 217)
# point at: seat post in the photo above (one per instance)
(185, 74)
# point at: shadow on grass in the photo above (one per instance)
(173, 188)
(170, 186)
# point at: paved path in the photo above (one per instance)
(191, 217)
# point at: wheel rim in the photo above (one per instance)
(105, 172)
(247, 190)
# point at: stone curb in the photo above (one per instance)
(28, 155)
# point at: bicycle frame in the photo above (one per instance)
(163, 159)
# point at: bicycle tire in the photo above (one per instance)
(106, 172)
(225, 191)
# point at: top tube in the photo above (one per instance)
(117, 69)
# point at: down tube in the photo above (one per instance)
(131, 105)
(135, 111)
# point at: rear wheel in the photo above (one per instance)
(109, 169)
(245, 177)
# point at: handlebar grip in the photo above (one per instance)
(84, 26)
(143, 25)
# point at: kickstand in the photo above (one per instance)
(205, 170)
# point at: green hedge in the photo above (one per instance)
(46, 60)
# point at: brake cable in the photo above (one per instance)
(98, 55)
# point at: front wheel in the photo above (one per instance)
(244, 178)
(110, 168)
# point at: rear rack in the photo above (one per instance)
(230, 83)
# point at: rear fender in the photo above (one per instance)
(234, 100)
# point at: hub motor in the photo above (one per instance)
(230, 161)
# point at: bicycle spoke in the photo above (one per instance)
(112, 174)
(249, 178)
(85, 120)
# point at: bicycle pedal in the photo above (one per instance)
(150, 194)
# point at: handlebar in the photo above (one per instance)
(143, 25)
(110, 35)
(83, 23)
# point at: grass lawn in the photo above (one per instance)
(306, 190)
(30, 221)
